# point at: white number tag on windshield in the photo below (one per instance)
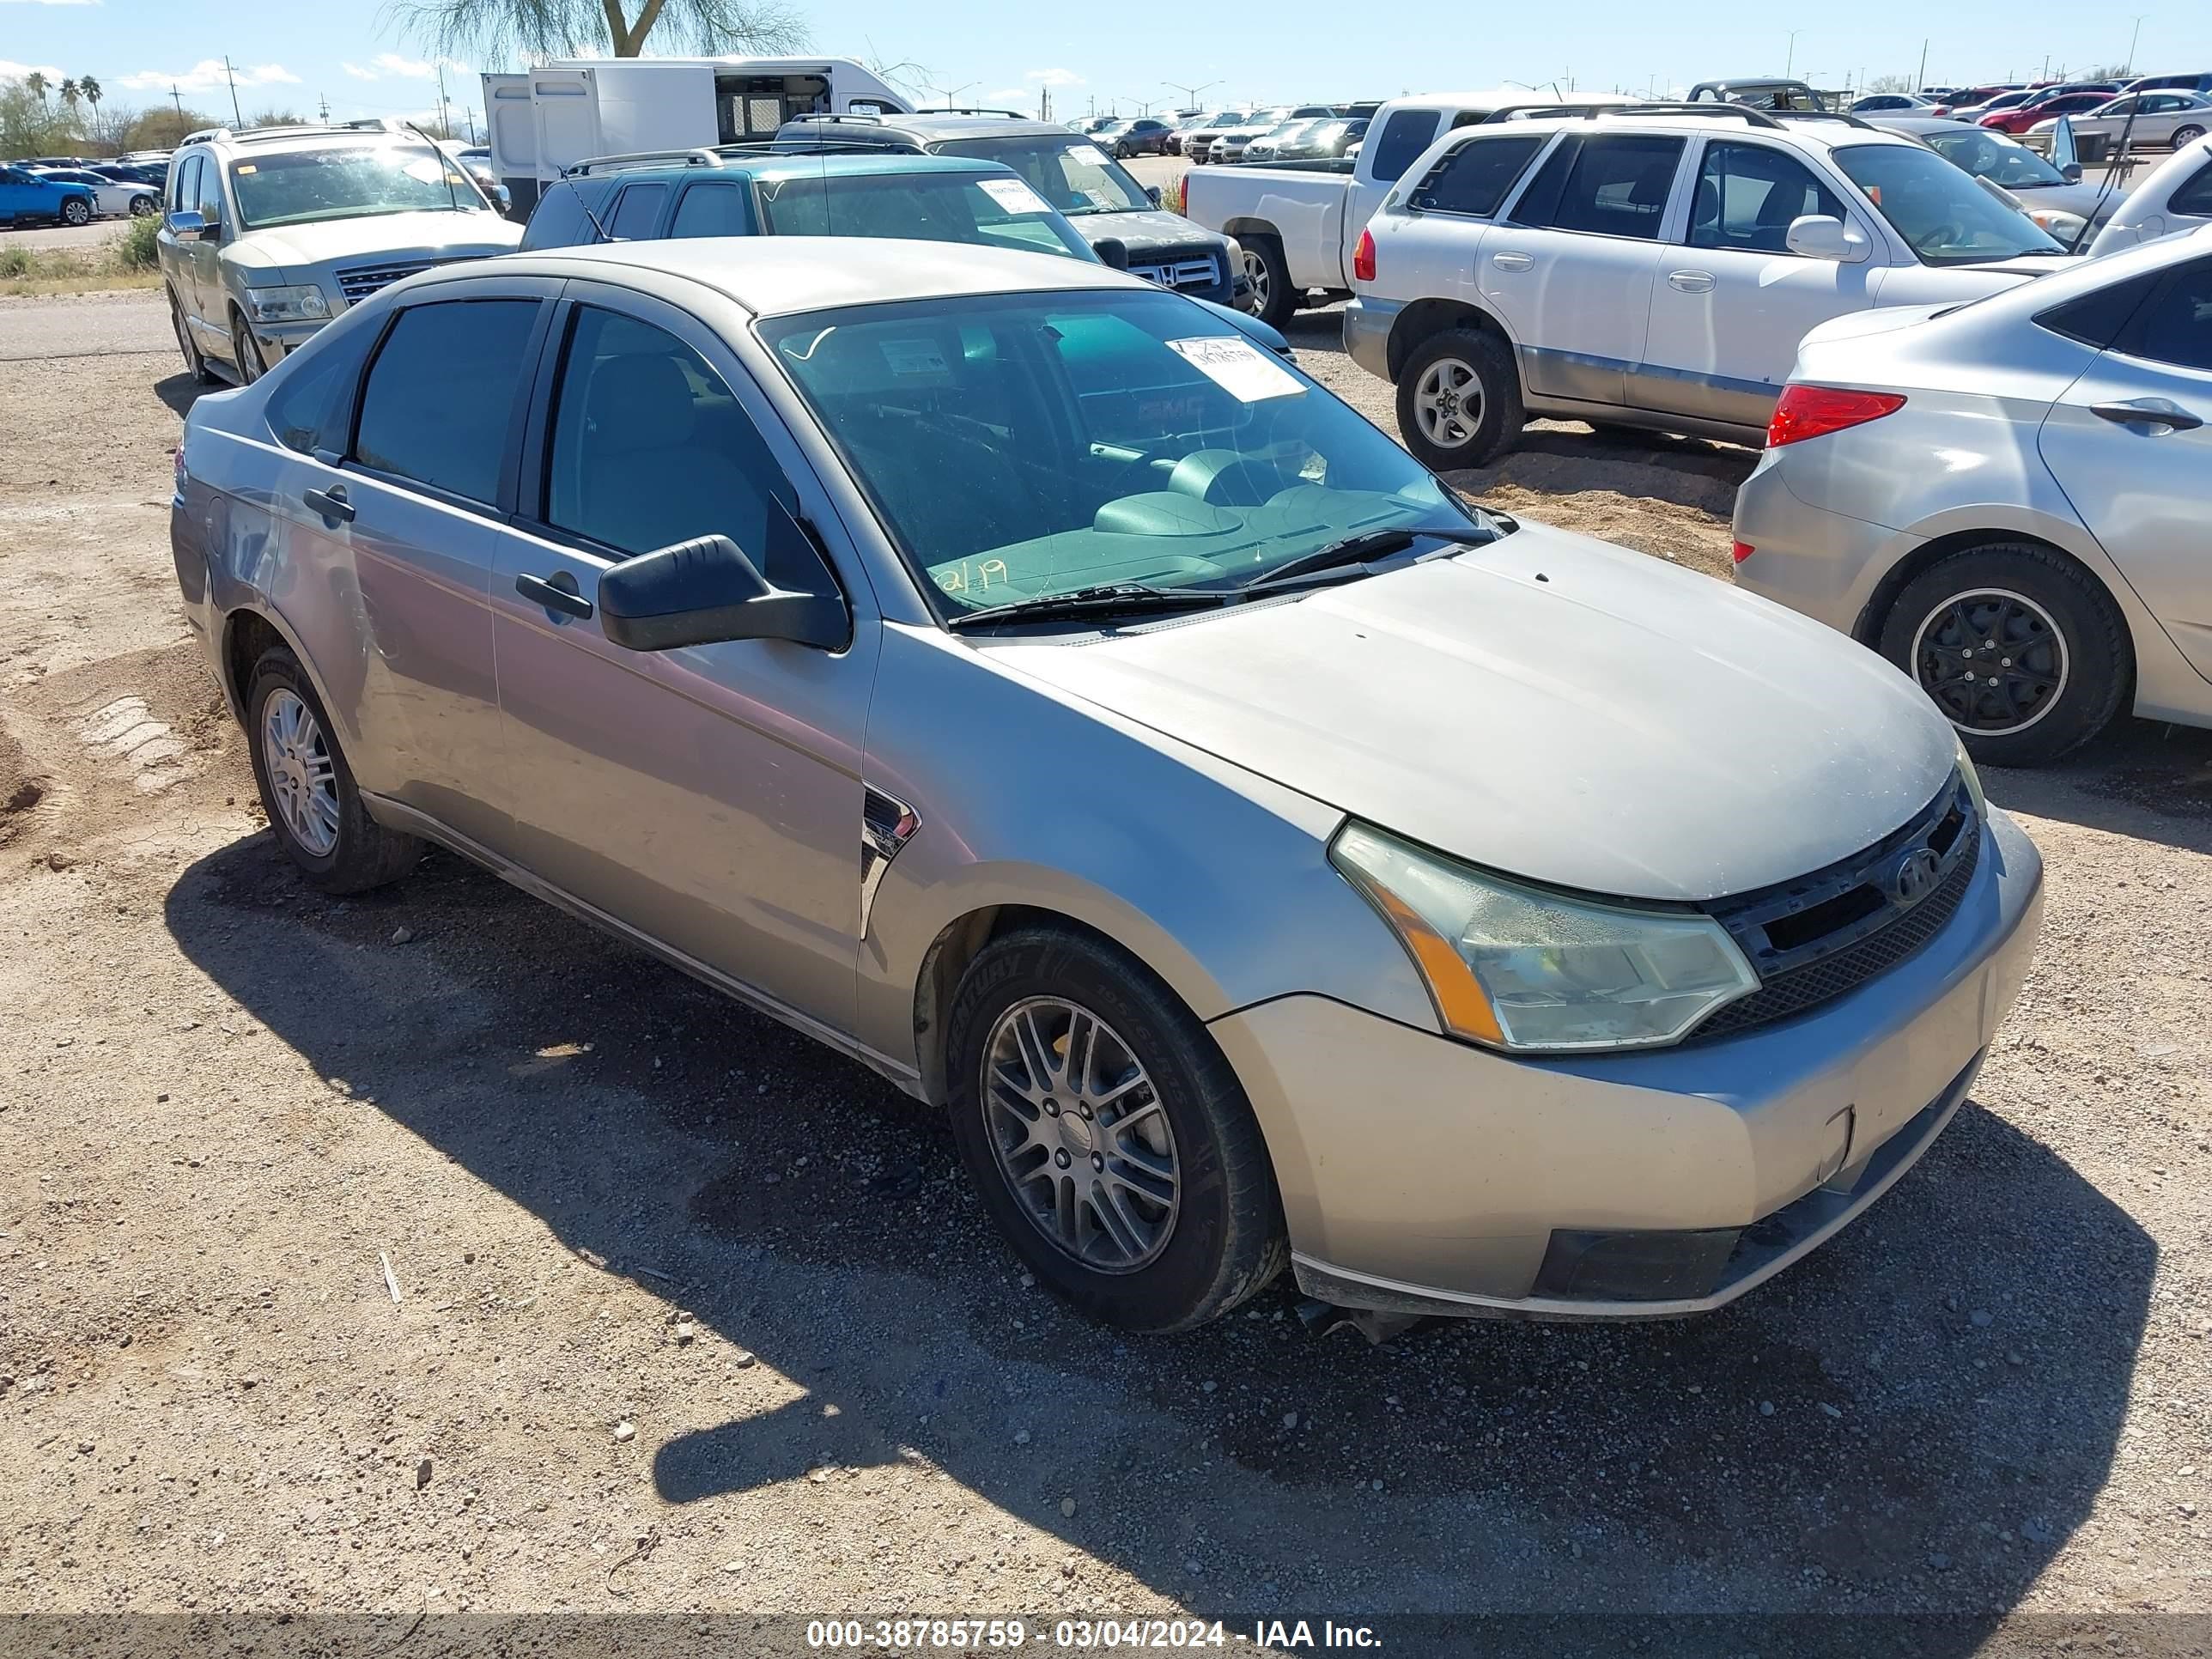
(1238, 367)
(1014, 195)
(1089, 153)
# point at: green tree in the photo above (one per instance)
(31, 126)
(280, 118)
(491, 31)
(70, 95)
(35, 84)
(164, 128)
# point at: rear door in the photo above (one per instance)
(2130, 442)
(511, 130)
(1450, 208)
(1569, 266)
(1731, 301)
(564, 108)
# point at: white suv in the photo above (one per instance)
(1654, 267)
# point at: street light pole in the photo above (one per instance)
(1189, 93)
(1790, 57)
(2134, 35)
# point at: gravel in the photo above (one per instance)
(220, 1100)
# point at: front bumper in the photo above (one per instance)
(1367, 324)
(1425, 1176)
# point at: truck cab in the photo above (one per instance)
(561, 112)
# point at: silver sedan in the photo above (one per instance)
(2167, 120)
(1000, 670)
(2008, 498)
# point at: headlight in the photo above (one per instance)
(297, 302)
(1524, 969)
(2056, 223)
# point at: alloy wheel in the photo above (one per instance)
(1993, 661)
(1447, 398)
(1255, 268)
(1080, 1134)
(301, 777)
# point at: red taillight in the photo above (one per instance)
(1812, 411)
(1363, 257)
(1741, 550)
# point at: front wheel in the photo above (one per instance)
(76, 212)
(246, 351)
(2021, 650)
(307, 789)
(142, 207)
(1459, 400)
(1109, 1138)
(2184, 136)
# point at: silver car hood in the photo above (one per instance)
(385, 238)
(1551, 707)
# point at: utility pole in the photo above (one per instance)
(444, 109)
(177, 98)
(1922, 79)
(2134, 35)
(235, 114)
(324, 109)
(1189, 93)
(1790, 58)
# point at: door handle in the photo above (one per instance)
(548, 592)
(331, 503)
(1691, 281)
(2178, 420)
(1509, 259)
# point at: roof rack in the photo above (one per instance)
(642, 158)
(752, 150)
(1843, 115)
(1758, 118)
(970, 109)
(1531, 112)
(300, 129)
(859, 116)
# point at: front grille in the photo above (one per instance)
(1816, 938)
(1181, 271)
(362, 281)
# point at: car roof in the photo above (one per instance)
(1823, 132)
(771, 274)
(788, 164)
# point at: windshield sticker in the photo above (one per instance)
(244, 169)
(1235, 365)
(1090, 153)
(914, 357)
(1099, 198)
(1015, 195)
(956, 579)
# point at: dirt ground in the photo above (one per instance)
(672, 1325)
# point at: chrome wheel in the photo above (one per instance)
(1255, 269)
(142, 207)
(301, 778)
(1080, 1134)
(1994, 661)
(250, 366)
(1448, 399)
(75, 212)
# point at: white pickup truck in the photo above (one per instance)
(1297, 222)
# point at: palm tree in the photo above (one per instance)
(71, 93)
(88, 89)
(488, 30)
(35, 84)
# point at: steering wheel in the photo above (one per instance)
(1947, 235)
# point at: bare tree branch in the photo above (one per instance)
(495, 31)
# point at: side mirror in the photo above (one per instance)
(1153, 191)
(706, 591)
(1816, 236)
(2071, 172)
(1112, 251)
(187, 225)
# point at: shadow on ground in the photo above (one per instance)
(1913, 1418)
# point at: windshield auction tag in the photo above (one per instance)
(1238, 367)
(1089, 153)
(1014, 195)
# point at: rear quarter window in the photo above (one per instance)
(2195, 194)
(1477, 177)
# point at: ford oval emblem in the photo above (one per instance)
(1915, 877)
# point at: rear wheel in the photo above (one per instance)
(307, 789)
(1459, 400)
(1273, 298)
(2184, 136)
(1108, 1136)
(2021, 650)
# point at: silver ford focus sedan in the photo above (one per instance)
(1000, 670)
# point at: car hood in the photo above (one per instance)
(1550, 707)
(2082, 199)
(385, 237)
(1145, 229)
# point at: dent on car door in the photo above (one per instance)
(708, 796)
(1730, 302)
(2131, 443)
(389, 540)
(1570, 266)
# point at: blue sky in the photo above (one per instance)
(291, 54)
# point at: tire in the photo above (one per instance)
(1433, 390)
(246, 351)
(2050, 637)
(2184, 136)
(1158, 1263)
(76, 212)
(359, 853)
(1273, 298)
(142, 207)
(196, 362)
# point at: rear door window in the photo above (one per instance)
(1405, 135)
(2176, 326)
(1476, 178)
(2195, 195)
(717, 209)
(637, 212)
(441, 396)
(1615, 186)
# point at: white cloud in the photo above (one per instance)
(208, 75)
(14, 71)
(390, 65)
(1009, 96)
(1054, 77)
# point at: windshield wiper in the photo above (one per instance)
(1356, 551)
(1108, 599)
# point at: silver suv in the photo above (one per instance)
(270, 233)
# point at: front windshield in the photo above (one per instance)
(1988, 156)
(1944, 216)
(303, 185)
(1023, 445)
(986, 210)
(1073, 174)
